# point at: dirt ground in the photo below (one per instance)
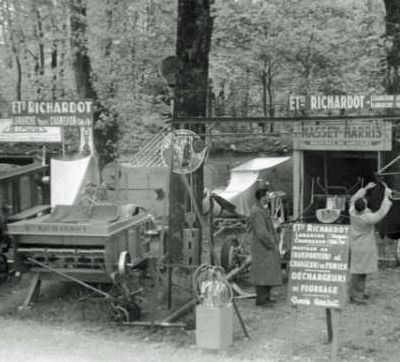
(61, 329)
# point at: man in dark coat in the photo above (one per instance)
(265, 269)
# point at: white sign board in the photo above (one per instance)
(344, 101)
(10, 132)
(360, 135)
(53, 113)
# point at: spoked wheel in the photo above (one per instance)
(227, 256)
(277, 209)
(125, 312)
(3, 269)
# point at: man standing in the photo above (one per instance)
(265, 269)
(363, 249)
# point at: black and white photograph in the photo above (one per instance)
(199, 180)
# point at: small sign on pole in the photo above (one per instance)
(318, 272)
(10, 132)
(318, 265)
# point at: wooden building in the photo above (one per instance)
(334, 157)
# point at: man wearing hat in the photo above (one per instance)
(265, 271)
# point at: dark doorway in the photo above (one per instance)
(335, 173)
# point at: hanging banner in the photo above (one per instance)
(9, 132)
(52, 113)
(355, 135)
(318, 265)
(346, 102)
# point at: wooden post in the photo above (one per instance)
(153, 301)
(43, 155)
(169, 287)
(293, 331)
(117, 186)
(329, 324)
(332, 323)
(62, 142)
(211, 230)
(33, 292)
(235, 307)
(335, 333)
(168, 245)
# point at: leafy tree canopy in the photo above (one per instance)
(262, 51)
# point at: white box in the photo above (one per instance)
(214, 326)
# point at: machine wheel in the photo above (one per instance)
(134, 311)
(227, 251)
(125, 313)
(123, 262)
(3, 269)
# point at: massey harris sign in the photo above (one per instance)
(359, 135)
(347, 102)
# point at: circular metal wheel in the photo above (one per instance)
(123, 261)
(3, 269)
(227, 254)
(119, 313)
(277, 210)
(125, 313)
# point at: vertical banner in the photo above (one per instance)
(318, 265)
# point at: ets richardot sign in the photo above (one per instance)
(318, 265)
(52, 113)
(352, 135)
(344, 101)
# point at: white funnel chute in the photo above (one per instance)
(68, 179)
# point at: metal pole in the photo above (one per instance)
(212, 261)
(168, 246)
(70, 278)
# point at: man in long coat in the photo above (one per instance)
(265, 269)
(363, 248)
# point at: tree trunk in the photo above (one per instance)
(392, 79)
(61, 61)
(105, 139)
(271, 106)
(264, 88)
(40, 35)
(54, 64)
(15, 40)
(245, 104)
(81, 60)
(220, 101)
(192, 49)
(19, 77)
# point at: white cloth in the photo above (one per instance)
(68, 178)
